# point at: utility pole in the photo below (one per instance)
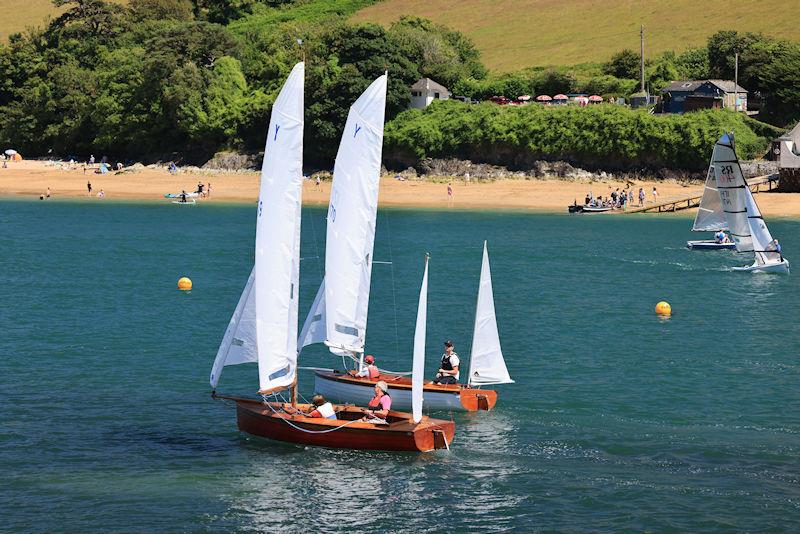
(736, 83)
(641, 43)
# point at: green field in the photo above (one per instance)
(19, 16)
(513, 34)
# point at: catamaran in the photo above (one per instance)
(487, 367)
(747, 226)
(710, 217)
(263, 327)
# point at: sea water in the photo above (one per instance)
(618, 420)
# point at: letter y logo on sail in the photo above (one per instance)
(358, 129)
(277, 127)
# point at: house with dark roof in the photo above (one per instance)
(425, 91)
(690, 95)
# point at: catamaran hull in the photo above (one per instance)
(341, 387)
(259, 419)
(774, 268)
(709, 245)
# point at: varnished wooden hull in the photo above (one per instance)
(342, 387)
(259, 419)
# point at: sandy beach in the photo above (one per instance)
(32, 178)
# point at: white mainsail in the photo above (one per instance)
(732, 187)
(710, 217)
(418, 367)
(762, 239)
(486, 365)
(264, 324)
(350, 234)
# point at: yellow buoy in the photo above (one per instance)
(185, 284)
(663, 308)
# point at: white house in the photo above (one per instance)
(426, 91)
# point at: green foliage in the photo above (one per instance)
(608, 85)
(162, 9)
(692, 64)
(624, 64)
(602, 136)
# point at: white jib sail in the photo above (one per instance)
(418, 367)
(710, 217)
(239, 342)
(351, 221)
(486, 363)
(277, 238)
(732, 187)
(762, 239)
(313, 330)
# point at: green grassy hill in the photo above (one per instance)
(17, 16)
(513, 34)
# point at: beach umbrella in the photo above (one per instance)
(10, 152)
(595, 98)
(543, 98)
(524, 98)
(561, 97)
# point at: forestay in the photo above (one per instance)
(265, 321)
(710, 217)
(486, 365)
(731, 187)
(351, 222)
(418, 367)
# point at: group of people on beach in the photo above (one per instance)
(618, 199)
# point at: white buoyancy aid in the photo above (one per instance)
(327, 411)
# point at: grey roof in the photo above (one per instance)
(792, 135)
(691, 85)
(426, 84)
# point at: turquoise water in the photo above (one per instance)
(618, 420)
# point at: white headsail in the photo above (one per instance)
(710, 217)
(762, 239)
(351, 226)
(313, 330)
(264, 325)
(732, 187)
(418, 367)
(486, 365)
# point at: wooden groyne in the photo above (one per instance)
(767, 182)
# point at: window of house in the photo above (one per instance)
(435, 95)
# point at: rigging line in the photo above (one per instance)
(316, 248)
(394, 292)
(312, 431)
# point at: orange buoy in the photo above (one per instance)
(663, 308)
(185, 284)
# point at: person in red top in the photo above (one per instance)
(380, 405)
(370, 371)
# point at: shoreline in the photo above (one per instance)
(26, 180)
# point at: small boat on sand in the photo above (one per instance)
(188, 202)
(747, 226)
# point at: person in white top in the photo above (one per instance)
(448, 370)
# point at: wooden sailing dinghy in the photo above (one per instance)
(748, 229)
(263, 327)
(710, 217)
(487, 367)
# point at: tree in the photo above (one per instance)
(623, 64)
(162, 9)
(692, 64)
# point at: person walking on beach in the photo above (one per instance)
(641, 197)
(449, 194)
(91, 159)
(317, 184)
(48, 192)
(208, 190)
(655, 195)
(88, 185)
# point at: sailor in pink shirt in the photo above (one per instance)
(382, 401)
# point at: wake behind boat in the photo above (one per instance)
(263, 327)
(747, 226)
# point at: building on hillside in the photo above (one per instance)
(691, 95)
(787, 151)
(425, 91)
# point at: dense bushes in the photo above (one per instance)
(603, 136)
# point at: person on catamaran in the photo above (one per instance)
(381, 403)
(448, 371)
(322, 408)
(369, 371)
(775, 246)
(721, 237)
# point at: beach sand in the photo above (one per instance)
(32, 178)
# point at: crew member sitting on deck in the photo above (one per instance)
(322, 408)
(370, 371)
(721, 237)
(381, 403)
(448, 372)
